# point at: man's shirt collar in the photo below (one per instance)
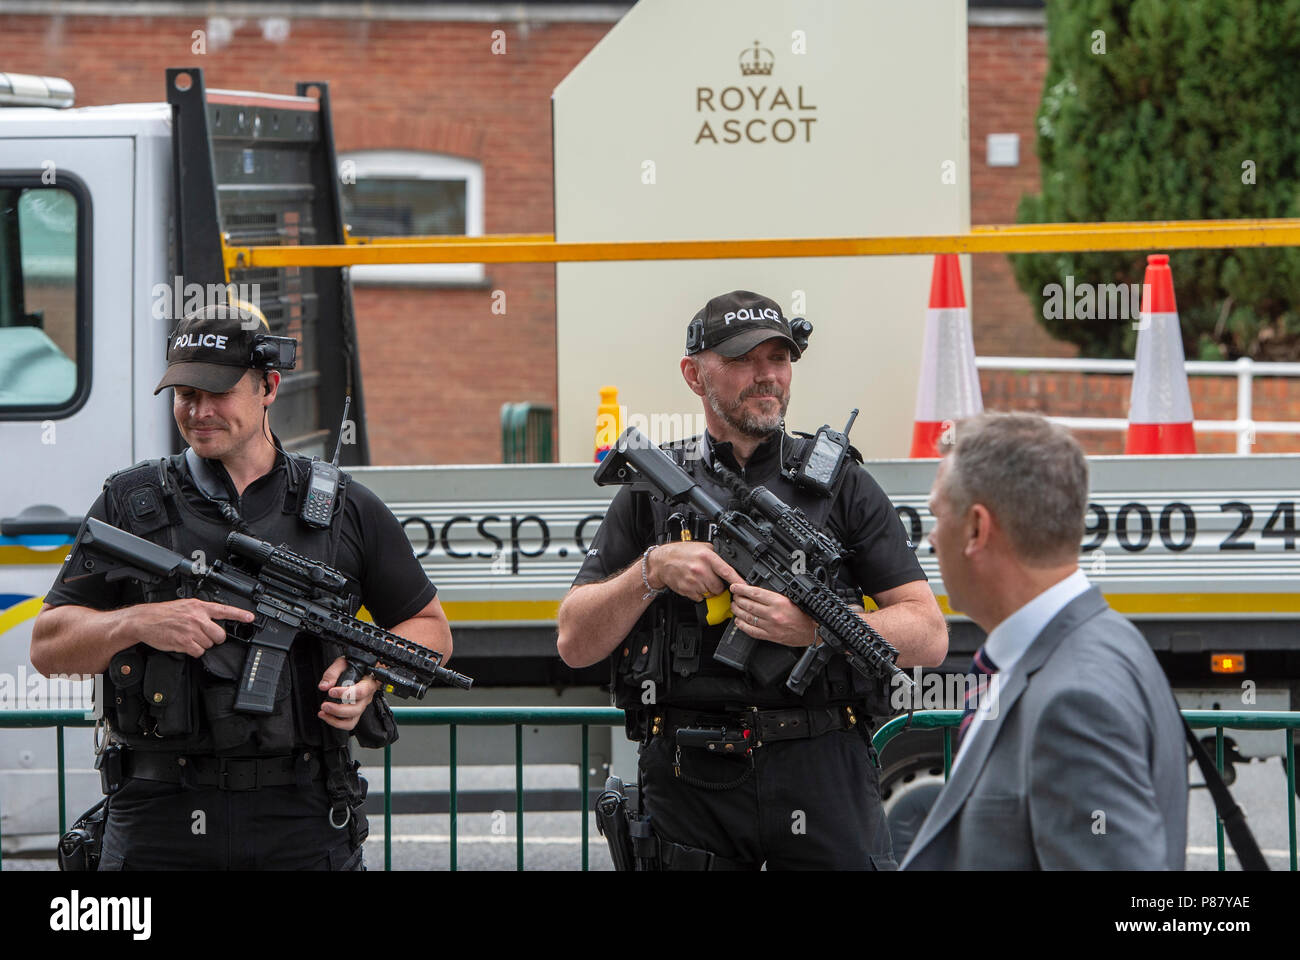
(766, 455)
(1009, 640)
(269, 481)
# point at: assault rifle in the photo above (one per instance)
(771, 545)
(287, 593)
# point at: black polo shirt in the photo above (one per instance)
(373, 550)
(861, 518)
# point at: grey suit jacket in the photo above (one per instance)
(1084, 765)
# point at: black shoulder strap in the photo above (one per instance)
(203, 476)
(1234, 820)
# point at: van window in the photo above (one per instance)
(40, 326)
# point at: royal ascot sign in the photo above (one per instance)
(758, 110)
(748, 119)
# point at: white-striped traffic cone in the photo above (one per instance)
(949, 388)
(1160, 410)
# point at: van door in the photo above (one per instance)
(66, 396)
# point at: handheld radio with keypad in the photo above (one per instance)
(821, 466)
(323, 483)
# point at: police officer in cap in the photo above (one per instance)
(192, 783)
(807, 794)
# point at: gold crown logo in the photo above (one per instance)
(756, 62)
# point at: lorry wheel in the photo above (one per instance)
(911, 776)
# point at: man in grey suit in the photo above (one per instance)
(1072, 753)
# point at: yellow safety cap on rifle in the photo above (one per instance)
(719, 608)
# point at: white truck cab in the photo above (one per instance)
(109, 217)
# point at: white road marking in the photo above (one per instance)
(1214, 852)
(577, 841)
(478, 838)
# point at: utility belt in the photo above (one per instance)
(726, 732)
(331, 767)
(738, 735)
(224, 773)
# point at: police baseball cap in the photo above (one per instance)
(212, 348)
(735, 323)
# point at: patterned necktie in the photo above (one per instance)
(983, 667)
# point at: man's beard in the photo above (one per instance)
(756, 425)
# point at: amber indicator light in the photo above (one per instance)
(1228, 662)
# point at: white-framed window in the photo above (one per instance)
(411, 193)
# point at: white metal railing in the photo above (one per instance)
(1244, 369)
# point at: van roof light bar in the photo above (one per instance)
(26, 90)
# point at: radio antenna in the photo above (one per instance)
(849, 426)
(338, 448)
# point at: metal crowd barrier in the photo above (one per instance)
(1220, 720)
(586, 717)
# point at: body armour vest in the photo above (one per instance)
(668, 658)
(164, 701)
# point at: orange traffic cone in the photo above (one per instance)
(608, 422)
(949, 388)
(1160, 410)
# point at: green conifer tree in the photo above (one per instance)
(1173, 110)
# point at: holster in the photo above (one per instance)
(613, 820)
(633, 844)
(80, 847)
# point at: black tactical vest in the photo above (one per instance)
(172, 702)
(668, 658)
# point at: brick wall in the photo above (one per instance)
(437, 362)
(444, 407)
(1106, 395)
(1006, 67)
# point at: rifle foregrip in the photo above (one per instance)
(868, 652)
(812, 662)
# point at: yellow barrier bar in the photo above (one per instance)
(442, 240)
(1105, 226)
(1013, 238)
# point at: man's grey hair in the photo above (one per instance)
(1030, 474)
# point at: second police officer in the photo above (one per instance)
(807, 796)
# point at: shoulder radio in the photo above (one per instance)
(820, 468)
(323, 483)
